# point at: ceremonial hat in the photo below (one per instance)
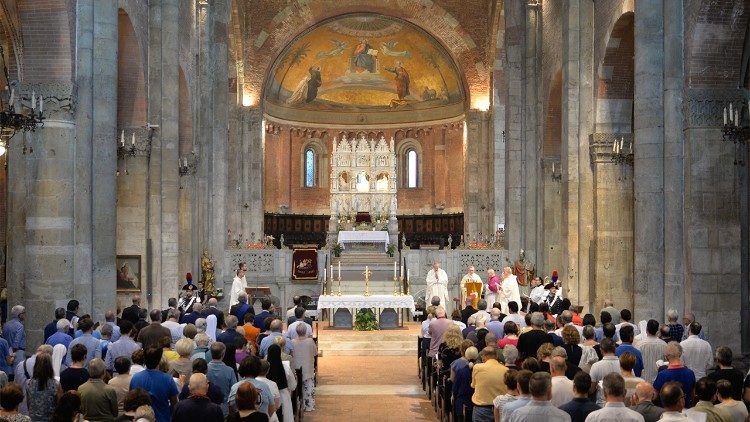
(189, 286)
(189, 277)
(554, 276)
(549, 286)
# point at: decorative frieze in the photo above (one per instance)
(704, 107)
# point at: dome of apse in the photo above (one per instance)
(364, 69)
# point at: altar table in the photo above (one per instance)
(355, 302)
(364, 236)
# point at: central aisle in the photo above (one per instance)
(369, 388)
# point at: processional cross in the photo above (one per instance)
(367, 273)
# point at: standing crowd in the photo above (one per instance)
(188, 362)
(515, 362)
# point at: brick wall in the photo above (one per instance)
(615, 75)
(131, 91)
(714, 37)
(42, 21)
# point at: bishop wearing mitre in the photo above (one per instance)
(437, 285)
(472, 278)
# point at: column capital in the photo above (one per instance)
(59, 97)
(601, 144)
(705, 105)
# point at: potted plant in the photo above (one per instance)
(391, 250)
(365, 320)
(337, 250)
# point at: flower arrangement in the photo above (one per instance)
(478, 245)
(365, 320)
(337, 248)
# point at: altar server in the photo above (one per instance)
(437, 284)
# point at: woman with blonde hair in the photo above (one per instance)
(450, 349)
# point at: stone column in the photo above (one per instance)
(577, 123)
(218, 36)
(478, 189)
(531, 145)
(515, 21)
(252, 176)
(674, 141)
(612, 276)
(42, 218)
(648, 183)
(104, 164)
(550, 256)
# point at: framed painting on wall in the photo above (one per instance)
(128, 273)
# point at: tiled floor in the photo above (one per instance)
(369, 388)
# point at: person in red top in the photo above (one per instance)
(511, 335)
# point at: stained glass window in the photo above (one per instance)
(411, 169)
(309, 168)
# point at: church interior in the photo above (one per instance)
(604, 141)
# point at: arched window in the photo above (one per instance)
(411, 168)
(309, 168)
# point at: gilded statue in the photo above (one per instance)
(207, 273)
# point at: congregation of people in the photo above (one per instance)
(189, 362)
(535, 357)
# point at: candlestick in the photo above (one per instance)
(122, 138)
(324, 282)
(339, 269)
(41, 104)
(614, 147)
(133, 139)
(725, 116)
(339, 292)
(553, 168)
(402, 270)
(330, 274)
(394, 269)
(622, 142)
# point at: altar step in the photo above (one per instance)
(367, 343)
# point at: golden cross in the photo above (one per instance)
(367, 273)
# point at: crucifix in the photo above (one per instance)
(367, 275)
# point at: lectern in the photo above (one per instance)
(474, 287)
(257, 293)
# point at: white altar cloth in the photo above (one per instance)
(363, 236)
(362, 302)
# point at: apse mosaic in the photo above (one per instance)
(364, 62)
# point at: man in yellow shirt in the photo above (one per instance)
(488, 381)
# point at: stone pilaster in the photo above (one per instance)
(648, 183)
(531, 145)
(612, 276)
(42, 219)
(551, 254)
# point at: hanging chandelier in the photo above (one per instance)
(15, 115)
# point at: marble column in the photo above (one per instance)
(42, 218)
(648, 182)
(612, 276)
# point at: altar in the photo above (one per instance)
(353, 303)
(363, 236)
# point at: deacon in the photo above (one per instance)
(437, 284)
(239, 284)
(189, 298)
(508, 290)
(471, 277)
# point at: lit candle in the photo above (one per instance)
(553, 168)
(394, 269)
(725, 116)
(339, 270)
(33, 99)
(622, 142)
(122, 138)
(631, 146)
(331, 272)
(614, 146)
(731, 113)
(402, 271)
(133, 139)
(41, 104)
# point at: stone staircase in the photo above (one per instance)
(368, 343)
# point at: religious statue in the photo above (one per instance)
(523, 271)
(450, 241)
(207, 273)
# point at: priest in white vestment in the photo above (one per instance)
(238, 286)
(509, 291)
(437, 285)
(471, 276)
